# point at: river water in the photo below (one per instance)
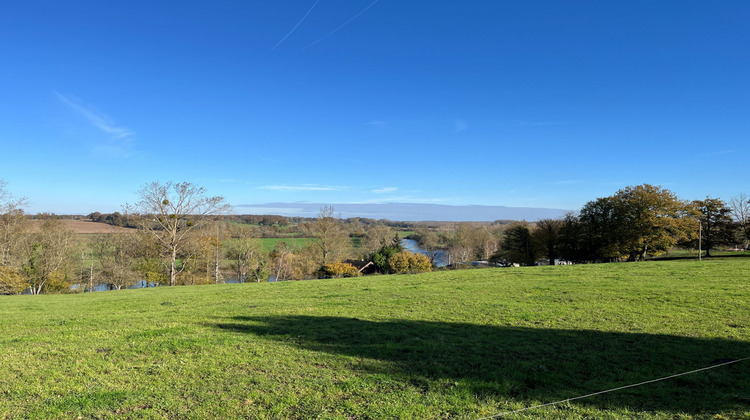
(439, 257)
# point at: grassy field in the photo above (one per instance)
(84, 227)
(270, 243)
(451, 344)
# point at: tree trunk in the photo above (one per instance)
(217, 274)
(37, 289)
(551, 253)
(172, 269)
(278, 271)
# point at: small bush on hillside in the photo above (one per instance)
(339, 269)
(11, 282)
(409, 262)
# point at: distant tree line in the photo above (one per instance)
(114, 219)
(635, 223)
(269, 226)
(182, 236)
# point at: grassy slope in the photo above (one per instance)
(270, 243)
(462, 344)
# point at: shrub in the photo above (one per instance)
(409, 262)
(339, 269)
(11, 282)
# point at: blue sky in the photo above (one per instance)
(498, 103)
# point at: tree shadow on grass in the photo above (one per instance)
(528, 363)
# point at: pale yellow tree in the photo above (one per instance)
(331, 240)
(377, 237)
(246, 255)
(50, 255)
(14, 227)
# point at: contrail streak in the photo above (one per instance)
(344, 24)
(295, 26)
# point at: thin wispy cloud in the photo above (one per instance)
(304, 187)
(385, 190)
(97, 119)
(460, 125)
(377, 123)
(295, 26)
(344, 24)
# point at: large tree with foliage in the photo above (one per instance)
(545, 235)
(654, 219)
(570, 239)
(170, 211)
(602, 228)
(717, 227)
(635, 222)
(517, 245)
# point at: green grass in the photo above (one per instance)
(270, 243)
(451, 344)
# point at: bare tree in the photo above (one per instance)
(206, 249)
(13, 226)
(377, 237)
(246, 254)
(487, 242)
(117, 254)
(13, 235)
(740, 206)
(171, 211)
(467, 243)
(281, 257)
(50, 255)
(332, 241)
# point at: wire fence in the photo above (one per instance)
(508, 413)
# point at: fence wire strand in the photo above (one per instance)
(508, 413)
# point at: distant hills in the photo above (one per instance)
(411, 212)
